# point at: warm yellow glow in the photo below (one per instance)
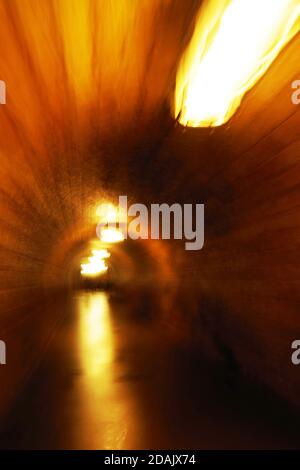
(93, 268)
(234, 43)
(110, 214)
(96, 332)
(101, 254)
(111, 235)
(107, 212)
(96, 264)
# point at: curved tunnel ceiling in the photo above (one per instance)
(83, 101)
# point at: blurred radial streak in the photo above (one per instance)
(84, 80)
(233, 45)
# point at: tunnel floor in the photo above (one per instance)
(110, 380)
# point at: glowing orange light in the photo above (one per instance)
(107, 212)
(233, 45)
(96, 264)
(111, 235)
(101, 254)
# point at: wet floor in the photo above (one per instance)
(112, 380)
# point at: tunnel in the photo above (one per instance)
(167, 348)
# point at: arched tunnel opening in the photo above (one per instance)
(136, 342)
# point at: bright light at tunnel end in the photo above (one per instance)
(111, 235)
(233, 45)
(2, 92)
(2, 353)
(96, 264)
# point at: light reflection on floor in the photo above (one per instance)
(97, 354)
(96, 336)
(112, 378)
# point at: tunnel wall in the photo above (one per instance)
(245, 281)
